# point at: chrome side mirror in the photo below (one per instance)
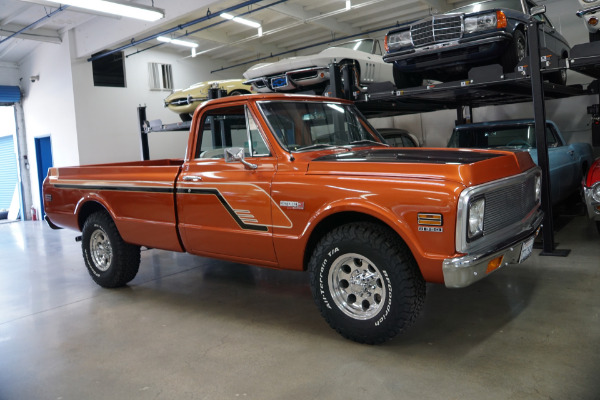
(234, 154)
(537, 10)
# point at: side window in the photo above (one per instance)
(258, 146)
(551, 140)
(228, 127)
(377, 49)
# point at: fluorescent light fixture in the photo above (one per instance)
(240, 20)
(348, 5)
(178, 42)
(130, 10)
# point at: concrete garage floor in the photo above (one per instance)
(194, 328)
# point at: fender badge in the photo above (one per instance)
(293, 205)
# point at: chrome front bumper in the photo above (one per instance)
(310, 76)
(463, 271)
(593, 207)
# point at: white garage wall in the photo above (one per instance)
(107, 123)
(9, 74)
(48, 107)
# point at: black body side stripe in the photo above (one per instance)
(117, 188)
(214, 192)
(230, 210)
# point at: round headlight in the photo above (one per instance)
(596, 192)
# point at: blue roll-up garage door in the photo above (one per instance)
(10, 94)
(8, 171)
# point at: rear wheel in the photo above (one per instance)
(237, 93)
(185, 117)
(110, 261)
(366, 283)
(404, 80)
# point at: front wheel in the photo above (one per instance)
(404, 80)
(516, 51)
(110, 261)
(366, 283)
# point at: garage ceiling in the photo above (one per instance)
(287, 25)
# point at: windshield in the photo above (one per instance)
(515, 136)
(365, 45)
(302, 125)
(488, 5)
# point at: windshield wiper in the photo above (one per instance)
(368, 141)
(316, 146)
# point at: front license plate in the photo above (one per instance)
(526, 249)
(280, 81)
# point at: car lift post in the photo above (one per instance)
(144, 135)
(540, 136)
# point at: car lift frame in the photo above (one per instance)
(485, 86)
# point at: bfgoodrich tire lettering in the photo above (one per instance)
(366, 283)
(110, 261)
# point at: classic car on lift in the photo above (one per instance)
(444, 47)
(568, 162)
(185, 101)
(304, 73)
(591, 17)
(591, 191)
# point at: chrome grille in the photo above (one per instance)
(436, 29)
(508, 205)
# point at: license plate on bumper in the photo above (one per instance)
(527, 249)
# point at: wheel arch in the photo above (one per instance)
(87, 207)
(339, 218)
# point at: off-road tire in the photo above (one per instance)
(366, 282)
(109, 260)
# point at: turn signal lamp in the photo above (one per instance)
(501, 21)
(494, 264)
(593, 21)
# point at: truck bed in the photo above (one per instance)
(140, 195)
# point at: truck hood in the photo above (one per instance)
(470, 167)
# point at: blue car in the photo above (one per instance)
(568, 162)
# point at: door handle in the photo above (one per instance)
(192, 178)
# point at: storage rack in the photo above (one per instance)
(485, 86)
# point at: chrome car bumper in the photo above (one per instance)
(463, 271)
(290, 80)
(446, 50)
(593, 206)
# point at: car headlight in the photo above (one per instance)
(538, 188)
(475, 218)
(596, 192)
(485, 22)
(398, 39)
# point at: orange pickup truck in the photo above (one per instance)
(306, 183)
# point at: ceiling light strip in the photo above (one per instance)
(166, 32)
(208, 27)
